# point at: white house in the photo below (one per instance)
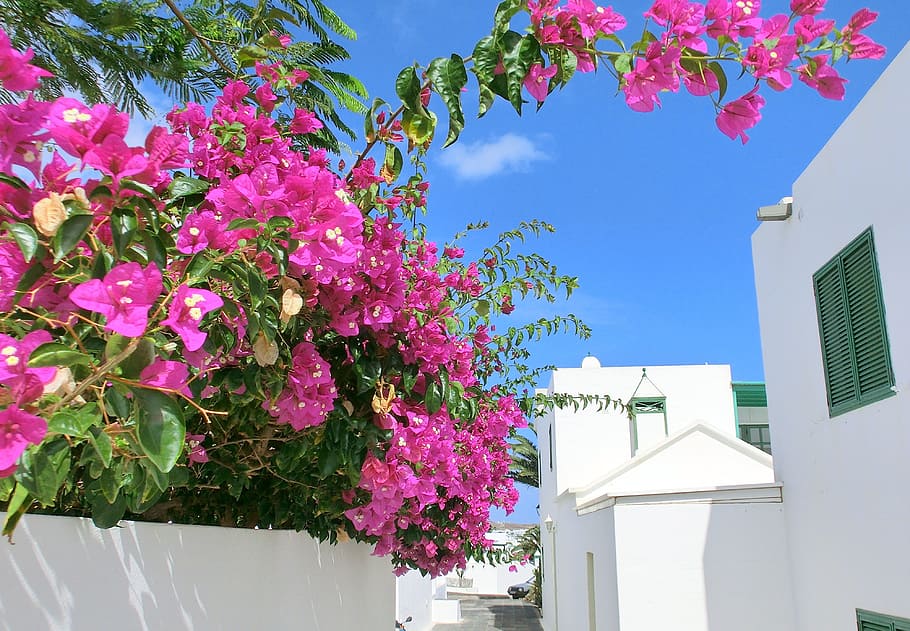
(834, 309)
(665, 519)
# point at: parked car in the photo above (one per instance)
(521, 589)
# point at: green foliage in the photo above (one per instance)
(105, 49)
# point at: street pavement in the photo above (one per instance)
(500, 614)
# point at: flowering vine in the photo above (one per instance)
(222, 326)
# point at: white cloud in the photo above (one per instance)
(474, 161)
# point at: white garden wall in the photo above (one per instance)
(845, 477)
(65, 574)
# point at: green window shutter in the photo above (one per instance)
(871, 621)
(835, 336)
(864, 304)
(851, 323)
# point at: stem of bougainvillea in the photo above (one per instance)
(202, 40)
(100, 373)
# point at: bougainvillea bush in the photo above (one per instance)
(225, 326)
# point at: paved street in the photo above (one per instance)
(501, 614)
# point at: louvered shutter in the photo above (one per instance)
(868, 625)
(835, 336)
(851, 322)
(864, 305)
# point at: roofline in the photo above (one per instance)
(762, 493)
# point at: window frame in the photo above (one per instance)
(859, 399)
(662, 401)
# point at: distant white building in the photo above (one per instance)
(834, 309)
(665, 520)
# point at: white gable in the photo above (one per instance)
(699, 457)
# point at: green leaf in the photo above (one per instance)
(162, 429)
(31, 276)
(243, 224)
(18, 505)
(13, 181)
(43, 470)
(418, 127)
(448, 76)
(102, 444)
(116, 404)
(518, 60)
(138, 187)
(155, 249)
(393, 162)
(74, 422)
(249, 55)
(186, 186)
(505, 11)
(110, 482)
(482, 307)
(407, 87)
(56, 354)
(123, 228)
(623, 63)
(718, 71)
(26, 238)
(133, 364)
(104, 513)
(329, 459)
(70, 234)
(433, 397)
(486, 58)
(7, 485)
(156, 477)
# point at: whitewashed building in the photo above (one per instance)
(834, 308)
(687, 529)
(665, 519)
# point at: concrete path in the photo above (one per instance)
(501, 614)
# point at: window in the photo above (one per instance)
(649, 421)
(869, 621)
(757, 436)
(851, 323)
(750, 405)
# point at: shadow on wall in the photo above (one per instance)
(747, 582)
(63, 573)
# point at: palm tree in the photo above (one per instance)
(104, 50)
(525, 469)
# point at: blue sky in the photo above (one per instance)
(654, 211)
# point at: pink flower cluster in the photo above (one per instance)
(354, 279)
(779, 47)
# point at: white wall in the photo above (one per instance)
(590, 444)
(702, 567)
(65, 574)
(845, 477)
(414, 595)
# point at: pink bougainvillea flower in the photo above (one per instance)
(196, 454)
(124, 297)
(537, 82)
(819, 75)
(742, 114)
(171, 375)
(305, 122)
(25, 384)
(807, 7)
(808, 29)
(863, 47)
(16, 74)
(701, 83)
(18, 430)
(266, 97)
(186, 312)
(652, 74)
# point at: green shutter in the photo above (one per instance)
(851, 324)
(864, 305)
(835, 336)
(871, 621)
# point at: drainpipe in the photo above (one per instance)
(551, 528)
